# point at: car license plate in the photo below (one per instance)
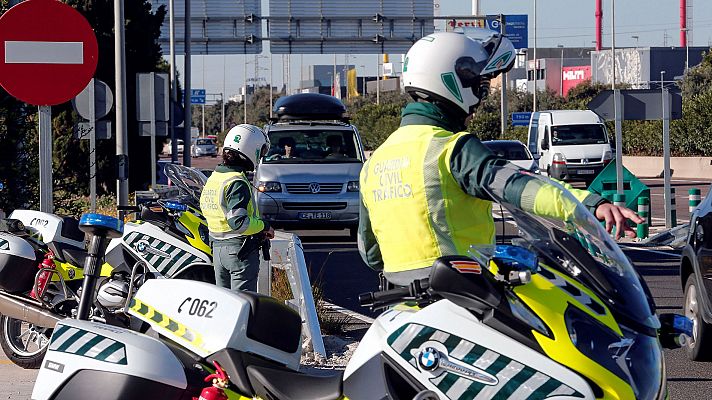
(586, 172)
(315, 215)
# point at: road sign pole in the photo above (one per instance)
(45, 150)
(152, 113)
(122, 190)
(504, 113)
(669, 223)
(618, 117)
(188, 120)
(174, 85)
(92, 145)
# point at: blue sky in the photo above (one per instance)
(567, 22)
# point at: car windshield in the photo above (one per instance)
(509, 150)
(204, 142)
(564, 135)
(579, 247)
(313, 146)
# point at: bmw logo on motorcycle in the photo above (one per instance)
(428, 359)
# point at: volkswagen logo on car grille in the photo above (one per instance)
(314, 187)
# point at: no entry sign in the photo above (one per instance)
(48, 52)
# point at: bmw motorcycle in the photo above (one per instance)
(169, 238)
(558, 313)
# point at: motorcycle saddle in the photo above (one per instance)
(284, 384)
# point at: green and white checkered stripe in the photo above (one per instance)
(67, 339)
(516, 380)
(167, 266)
(4, 244)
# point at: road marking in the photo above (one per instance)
(26, 52)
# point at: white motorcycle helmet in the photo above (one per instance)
(454, 68)
(249, 141)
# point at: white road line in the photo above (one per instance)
(26, 52)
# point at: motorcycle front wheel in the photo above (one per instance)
(25, 344)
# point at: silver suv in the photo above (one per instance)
(309, 178)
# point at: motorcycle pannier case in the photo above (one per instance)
(18, 264)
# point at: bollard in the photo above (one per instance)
(643, 212)
(673, 212)
(695, 198)
(618, 200)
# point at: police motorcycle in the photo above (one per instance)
(41, 256)
(559, 313)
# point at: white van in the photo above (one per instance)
(572, 145)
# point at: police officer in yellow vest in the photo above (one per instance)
(236, 230)
(422, 190)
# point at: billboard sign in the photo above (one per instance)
(516, 28)
(572, 76)
(337, 26)
(216, 26)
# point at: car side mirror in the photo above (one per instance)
(675, 330)
(544, 144)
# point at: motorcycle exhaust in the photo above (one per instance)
(27, 310)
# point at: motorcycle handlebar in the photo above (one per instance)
(417, 290)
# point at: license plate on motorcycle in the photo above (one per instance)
(586, 172)
(315, 215)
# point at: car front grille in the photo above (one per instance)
(579, 161)
(321, 206)
(306, 188)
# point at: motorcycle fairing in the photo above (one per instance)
(205, 318)
(475, 370)
(445, 325)
(83, 348)
(166, 254)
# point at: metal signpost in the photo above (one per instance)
(152, 110)
(642, 104)
(48, 54)
(93, 103)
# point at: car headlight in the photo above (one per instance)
(636, 358)
(269, 186)
(352, 186)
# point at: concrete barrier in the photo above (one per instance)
(683, 167)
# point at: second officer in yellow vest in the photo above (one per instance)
(236, 229)
(423, 190)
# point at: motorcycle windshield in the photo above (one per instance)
(189, 181)
(580, 247)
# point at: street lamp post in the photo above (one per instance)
(561, 71)
(535, 61)
(687, 48)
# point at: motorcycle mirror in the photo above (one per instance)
(175, 206)
(515, 264)
(675, 330)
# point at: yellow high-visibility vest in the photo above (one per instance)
(418, 211)
(212, 205)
